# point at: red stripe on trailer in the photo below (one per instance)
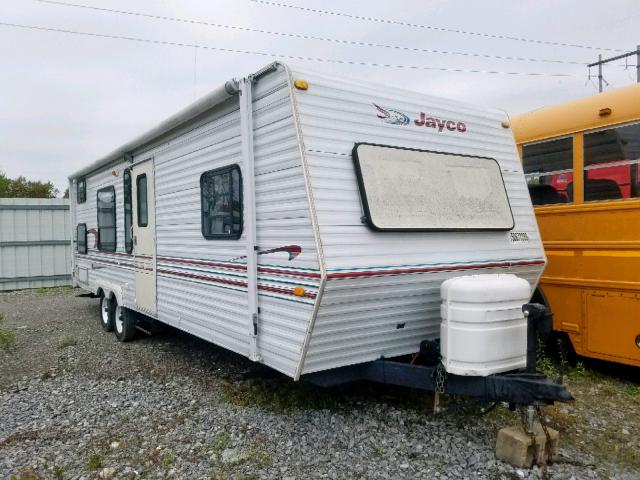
(235, 266)
(237, 283)
(448, 268)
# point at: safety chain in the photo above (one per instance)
(441, 377)
(547, 445)
(547, 459)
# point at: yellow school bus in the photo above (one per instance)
(581, 161)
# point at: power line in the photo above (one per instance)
(601, 62)
(279, 55)
(309, 37)
(432, 27)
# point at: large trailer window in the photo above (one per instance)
(548, 167)
(611, 163)
(81, 238)
(107, 219)
(221, 195)
(404, 189)
(128, 242)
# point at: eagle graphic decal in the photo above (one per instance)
(389, 115)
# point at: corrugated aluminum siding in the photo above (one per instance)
(366, 317)
(35, 243)
(202, 283)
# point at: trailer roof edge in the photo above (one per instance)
(213, 98)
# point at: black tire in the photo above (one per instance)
(124, 323)
(106, 313)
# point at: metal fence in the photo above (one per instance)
(35, 243)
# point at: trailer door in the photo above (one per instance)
(144, 235)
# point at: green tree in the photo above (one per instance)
(23, 188)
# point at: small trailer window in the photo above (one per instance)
(107, 219)
(404, 189)
(81, 241)
(221, 194)
(81, 190)
(141, 196)
(128, 243)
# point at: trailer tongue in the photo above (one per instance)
(520, 388)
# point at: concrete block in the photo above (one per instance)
(516, 447)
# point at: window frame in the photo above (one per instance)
(86, 246)
(81, 198)
(549, 140)
(586, 168)
(142, 176)
(115, 220)
(572, 169)
(128, 212)
(365, 202)
(221, 171)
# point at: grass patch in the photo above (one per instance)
(58, 472)
(168, 458)
(278, 395)
(67, 341)
(54, 290)
(258, 458)
(221, 442)
(252, 456)
(18, 437)
(633, 391)
(7, 336)
(94, 461)
(25, 474)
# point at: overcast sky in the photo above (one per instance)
(66, 99)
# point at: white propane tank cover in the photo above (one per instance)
(483, 329)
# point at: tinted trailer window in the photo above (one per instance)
(404, 189)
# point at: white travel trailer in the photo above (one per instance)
(308, 222)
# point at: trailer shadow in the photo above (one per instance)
(247, 384)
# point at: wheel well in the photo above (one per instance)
(109, 294)
(556, 335)
(539, 297)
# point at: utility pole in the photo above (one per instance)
(600, 73)
(601, 62)
(638, 63)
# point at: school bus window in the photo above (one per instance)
(611, 163)
(548, 168)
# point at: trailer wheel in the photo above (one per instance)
(106, 313)
(124, 323)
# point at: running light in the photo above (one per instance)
(301, 85)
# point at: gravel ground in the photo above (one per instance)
(75, 403)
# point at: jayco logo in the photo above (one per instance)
(395, 117)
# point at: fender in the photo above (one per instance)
(110, 288)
